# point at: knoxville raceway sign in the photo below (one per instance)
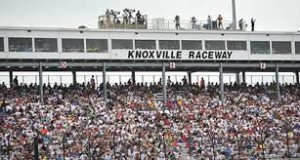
(177, 54)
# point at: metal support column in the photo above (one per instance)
(234, 21)
(237, 77)
(221, 82)
(133, 77)
(244, 77)
(41, 83)
(104, 82)
(164, 83)
(74, 77)
(189, 77)
(11, 78)
(297, 77)
(277, 81)
(36, 146)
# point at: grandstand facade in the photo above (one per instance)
(24, 49)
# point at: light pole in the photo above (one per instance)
(234, 22)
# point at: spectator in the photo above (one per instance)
(209, 23)
(107, 14)
(16, 81)
(169, 81)
(241, 21)
(93, 84)
(252, 24)
(130, 18)
(125, 17)
(115, 13)
(177, 22)
(193, 21)
(202, 83)
(220, 22)
(184, 80)
(138, 17)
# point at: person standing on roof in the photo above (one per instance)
(252, 24)
(138, 17)
(177, 22)
(209, 23)
(220, 22)
(193, 21)
(125, 17)
(107, 14)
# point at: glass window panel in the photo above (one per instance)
(4, 79)
(67, 79)
(145, 44)
(45, 44)
(297, 47)
(215, 45)
(20, 44)
(28, 79)
(260, 47)
(214, 79)
(96, 45)
(113, 79)
(73, 45)
(122, 44)
(237, 45)
(1, 45)
(281, 47)
(191, 45)
(169, 44)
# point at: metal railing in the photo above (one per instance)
(67, 79)
(160, 24)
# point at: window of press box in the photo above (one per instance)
(122, 44)
(260, 47)
(1, 45)
(72, 45)
(45, 44)
(281, 47)
(215, 45)
(20, 44)
(145, 44)
(191, 45)
(169, 44)
(297, 47)
(237, 45)
(96, 45)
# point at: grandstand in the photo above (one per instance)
(168, 119)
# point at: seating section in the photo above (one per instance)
(76, 123)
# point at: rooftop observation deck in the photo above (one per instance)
(119, 22)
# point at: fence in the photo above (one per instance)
(159, 23)
(67, 79)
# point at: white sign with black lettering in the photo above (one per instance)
(179, 55)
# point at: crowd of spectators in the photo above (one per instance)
(127, 17)
(209, 25)
(76, 123)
